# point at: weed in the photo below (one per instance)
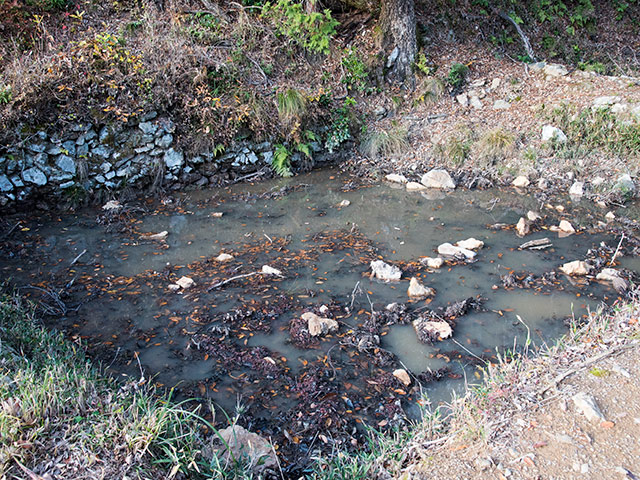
(456, 148)
(356, 72)
(6, 94)
(292, 105)
(386, 143)
(281, 163)
(593, 66)
(431, 89)
(457, 75)
(495, 145)
(340, 128)
(422, 65)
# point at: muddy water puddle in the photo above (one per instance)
(245, 342)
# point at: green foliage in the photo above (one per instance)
(386, 143)
(422, 65)
(593, 66)
(457, 75)
(292, 105)
(340, 128)
(6, 94)
(203, 27)
(622, 6)
(356, 72)
(281, 163)
(456, 148)
(312, 31)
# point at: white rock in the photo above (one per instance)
(619, 108)
(159, 237)
(112, 205)
(463, 99)
(566, 227)
(596, 182)
(520, 181)
(267, 270)
(417, 290)
(224, 257)
(608, 274)
(533, 216)
(501, 105)
(549, 132)
(185, 282)
(395, 178)
(384, 271)
(475, 102)
(605, 101)
(587, 405)
(555, 70)
(426, 328)
(470, 244)
(522, 227)
(324, 309)
(402, 375)
(317, 325)
(577, 268)
(543, 183)
(173, 287)
(452, 251)
(577, 189)
(438, 178)
(239, 443)
(415, 187)
(610, 216)
(432, 262)
(344, 203)
(495, 83)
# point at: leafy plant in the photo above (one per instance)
(312, 31)
(281, 163)
(6, 94)
(421, 65)
(356, 72)
(340, 128)
(457, 75)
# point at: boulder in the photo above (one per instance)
(432, 262)
(549, 132)
(395, 178)
(414, 187)
(238, 443)
(520, 181)
(438, 178)
(470, 244)
(577, 268)
(402, 375)
(452, 251)
(555, 70)
(317, 325)
(384, 271)
(418, 291)
(428, 330)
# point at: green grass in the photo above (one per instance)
(386, 143)
(291, 104)
(55, 405)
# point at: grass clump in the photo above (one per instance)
(455, 149)
(430, 90)
(386, 143)
(292, 105)
(495, 145)
(53, 400)
(457, 75)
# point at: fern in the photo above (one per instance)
(282, 161)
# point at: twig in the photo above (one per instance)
(353, 294)
(229, 280)
(11, 230)
(615, 254)
(276, 457)
(78, 257)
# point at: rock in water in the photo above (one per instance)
(185, 282)
(402, 375)
(415, 187)
(159, 237)
(317, 325)
(449, 250)
(566, 227)
(239, 443)
(612, 275)
(417, 290)
(523, 227)
(438, 178)
(431, 262)
(384, 271)
(533, 216)
(428, 330)
(470, 244)
(224, 257)
(267, 270)
(587, 405)
(577, 268)
(344, 203)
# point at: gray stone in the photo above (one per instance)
(239, 443)
(438, 178)
(5, 184)
(549, 132)
(34, 175)
(17, 181)
(577, 189)
(37, 147)
(90, 135)
(148, 128)
(606, 101)
(69, 147)
(555, 70)
(109, 175)
(197, 160)
(68, 184)
(475, 102)
(173, 159)
(164, 141)
(463, 99)
(149, 116)
(625, 184)
(82, 151)
(54, 150)
(144, 148)
(102, 151)
(100, 179)
(252, 158)
(12, 165)
(105, 167)
(267, 157)
(124, 172)
(104, 134)
(587, 405)
(66, 164)
(501, 105)
(449, 250)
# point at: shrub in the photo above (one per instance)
(312, 31)
(457, 75)
(356, 73)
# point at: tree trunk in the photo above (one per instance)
(398, 24)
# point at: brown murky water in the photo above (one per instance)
(244, 343)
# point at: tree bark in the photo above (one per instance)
(398, 25)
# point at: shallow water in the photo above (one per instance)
(131, 321)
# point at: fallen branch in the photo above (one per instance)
(229, 280)
(78, 257)
(523, 37)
